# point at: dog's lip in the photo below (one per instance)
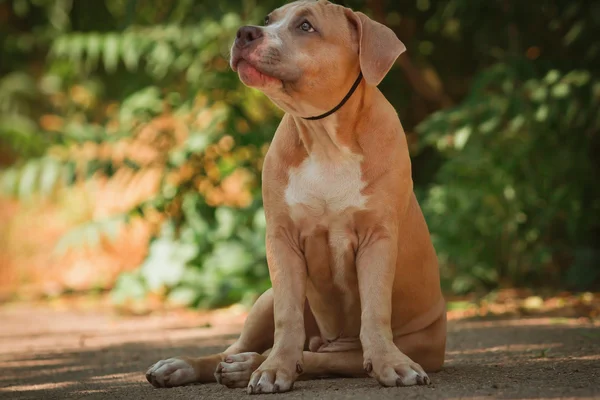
(235, 62)
(238, 59)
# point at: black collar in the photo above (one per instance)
(344, 100)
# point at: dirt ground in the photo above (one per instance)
(54, 353)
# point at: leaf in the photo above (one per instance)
(560, 90)
(517, 123)
(540, 93)
(141, 103)
(461, 137)
(28, 180)
(49, 176)
(88, 234)
(229, 258)
(160, 59)
(578, 77)
(166, 262)
(226, 222)
(76, 48)
(463, 284)
(183, 296)
(129, 285)
(131, 48)
(60, 47)
(9, 179)
(542, 113)
(573, 33)
(111, 52)
(198, 141)
(259, 221)
(197, 223)
(490, 125)
(93, 49)
(111, 227)
(552, 76)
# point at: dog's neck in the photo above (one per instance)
(336, 135)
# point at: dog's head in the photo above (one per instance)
(308, 53)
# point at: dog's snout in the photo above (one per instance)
(248, 34)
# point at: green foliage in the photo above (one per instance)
(156, 87)
(517, 188)
(215, 260)
(513, 200)
(38, 176)
(114, 88)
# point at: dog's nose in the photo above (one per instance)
(248, 34)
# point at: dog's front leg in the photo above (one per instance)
(376, 267)
(287, 268)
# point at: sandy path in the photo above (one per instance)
(46, 353)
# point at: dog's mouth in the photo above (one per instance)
(252, 75)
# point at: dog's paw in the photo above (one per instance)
(236, 370)
(275, 375)
(395, 369)
(170, 373)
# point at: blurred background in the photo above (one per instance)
(131, 155)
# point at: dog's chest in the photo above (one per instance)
(322, 197)
(324, 187)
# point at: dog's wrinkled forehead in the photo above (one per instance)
(288, 16)
(291, 9)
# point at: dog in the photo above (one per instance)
(355, 279)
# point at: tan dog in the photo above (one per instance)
(355, 276)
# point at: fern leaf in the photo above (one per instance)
(28, 180)
(49, 176)
(131, 51)
(93, 49)
(111, 52)
(8, 182)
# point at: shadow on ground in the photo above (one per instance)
(46, 354)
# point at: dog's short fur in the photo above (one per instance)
(355, 277)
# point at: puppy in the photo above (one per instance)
(355, 277)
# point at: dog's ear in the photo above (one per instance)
(378, 47)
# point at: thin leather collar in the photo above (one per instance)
(344, 100)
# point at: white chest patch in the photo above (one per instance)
(325, 186)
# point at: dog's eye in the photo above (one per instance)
(307, 27)
(267, 20)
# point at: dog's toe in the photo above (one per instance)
(171, 372)
(411, 374)
(236, 370)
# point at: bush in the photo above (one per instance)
(502, 118)
(515, 195)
